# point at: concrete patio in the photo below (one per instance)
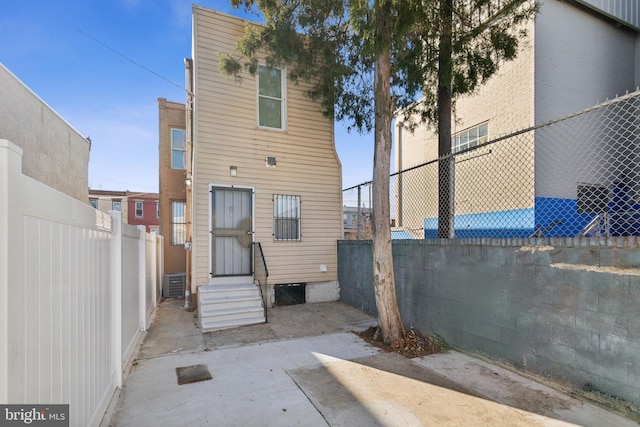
(306, 367)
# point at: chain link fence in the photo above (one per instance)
(578, 176)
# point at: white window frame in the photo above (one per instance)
(177, 150)
(135, 209)
(281, 204)
(119, 204)
(283, 99)
(158, 209)
(469, 138)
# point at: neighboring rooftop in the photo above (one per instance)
(626, 12)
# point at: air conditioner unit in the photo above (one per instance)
(173, 285)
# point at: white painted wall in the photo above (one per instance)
(580, 61)
(637, 61)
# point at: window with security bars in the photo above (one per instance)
(178, 223)
(286, 217)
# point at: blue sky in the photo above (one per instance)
(51, 46)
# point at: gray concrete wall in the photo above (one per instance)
(568, 309)
(54, 152)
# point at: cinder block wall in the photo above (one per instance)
(567, 309)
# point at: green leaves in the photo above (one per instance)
(333, 45)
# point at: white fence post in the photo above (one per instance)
(142, 276)
(152, 273)
(116, 293)
(159, 264)
(10, 171)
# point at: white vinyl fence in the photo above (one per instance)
(77, 288)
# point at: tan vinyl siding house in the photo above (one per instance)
(226, 134)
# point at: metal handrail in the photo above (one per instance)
(260, 273)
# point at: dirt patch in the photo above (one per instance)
(413, 344)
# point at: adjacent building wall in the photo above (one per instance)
(104, 201)
(574, 58)
(226, 134)
(581, 59)
(568, 309)
(506, 103)
(172, 115)
(150, 210)
(54, 152)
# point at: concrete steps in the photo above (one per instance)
(229, 305)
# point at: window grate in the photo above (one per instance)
(286, 217)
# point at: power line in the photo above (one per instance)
(100, 42)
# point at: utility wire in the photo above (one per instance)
(100, 42)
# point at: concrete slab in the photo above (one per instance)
(510, 388)
(306, 368)
(295, 321)
(250, 385)
(174, 330)
(446, 389)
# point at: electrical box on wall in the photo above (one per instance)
(270, 161)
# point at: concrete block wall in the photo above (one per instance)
(564, 308)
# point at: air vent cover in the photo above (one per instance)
(271, 161)
(173, 285)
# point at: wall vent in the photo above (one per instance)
(270, 162)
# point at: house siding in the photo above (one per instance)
(226, 134)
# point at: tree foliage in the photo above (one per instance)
(334, 43)
(366, 59)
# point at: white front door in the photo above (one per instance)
(231, 231)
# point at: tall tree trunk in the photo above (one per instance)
(391, 324)
(446, 185)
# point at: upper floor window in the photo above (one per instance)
(94, 202)
(178, 151)
(271, 98)
(116, 205)
(139, 209)
(470, 138)
(157, 209)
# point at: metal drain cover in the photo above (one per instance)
(192, 374)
